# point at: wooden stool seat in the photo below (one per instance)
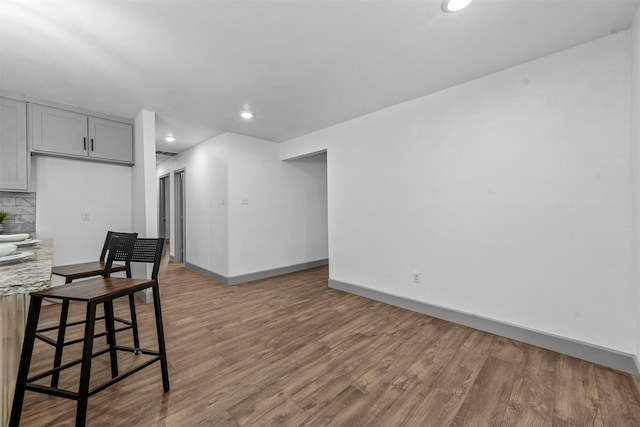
(95, 290)
(86, 269)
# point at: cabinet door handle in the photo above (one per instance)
(84, 143)
(91, 144)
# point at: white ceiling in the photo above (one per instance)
(300, 65)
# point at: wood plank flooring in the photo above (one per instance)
(288, 351)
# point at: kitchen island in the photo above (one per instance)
(16, 282)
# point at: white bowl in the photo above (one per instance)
(6, 249)
(13, 237)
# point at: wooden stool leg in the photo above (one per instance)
(160, 330)
(25, 360)
(85, 370)
(62, 328)
(111, 334)
(134, 322)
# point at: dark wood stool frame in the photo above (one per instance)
(94, 293)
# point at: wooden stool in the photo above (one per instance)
(95, 291)
(83, 270)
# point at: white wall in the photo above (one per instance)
(144, 189)
(206, 217)
(635, 125)
(510, 194)
(64, 189)
(145, 192)
(118, 198)
(284, 223)
(285, 220)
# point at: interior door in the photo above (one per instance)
(163, 208)
(180, 242)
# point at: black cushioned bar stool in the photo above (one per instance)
(100, 290)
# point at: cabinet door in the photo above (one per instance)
(110, 140)
(14, 154)
(58, 131)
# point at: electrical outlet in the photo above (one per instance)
(416, 277)
(223, 201)
(86, 216)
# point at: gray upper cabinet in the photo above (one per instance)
(14, 152)
(66, 133)
(58, 131)
(110, 140)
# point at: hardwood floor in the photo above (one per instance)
(288, 351)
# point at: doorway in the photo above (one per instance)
(180, 222)
(164, 213)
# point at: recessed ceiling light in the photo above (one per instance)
(246, 115)
(454, 5)
(169, 139)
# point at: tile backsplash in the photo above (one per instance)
(22, 212)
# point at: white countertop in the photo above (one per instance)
(30, 274)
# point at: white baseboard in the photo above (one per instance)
(244, 278)
(145, 295)
(601, 355)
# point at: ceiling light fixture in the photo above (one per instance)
(246, 115)
(454, 5)
(169, 139)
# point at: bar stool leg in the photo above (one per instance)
(25, 360)
(85, 370)
(111, 335)
(134, 322)
(62, 328)
(107, 337)
(134, 317)
(160, 330)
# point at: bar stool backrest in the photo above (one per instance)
(107, 241)
(149, 251)
(120, 249)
